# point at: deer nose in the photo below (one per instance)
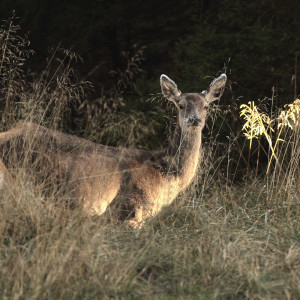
(194, 120)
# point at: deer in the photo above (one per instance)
(126, 184)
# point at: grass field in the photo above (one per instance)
(226, 245)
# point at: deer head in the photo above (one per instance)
(192, 107)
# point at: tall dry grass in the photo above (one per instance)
(216, 241)
(226, 245)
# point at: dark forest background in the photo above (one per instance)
(256, 42)
(126, 45)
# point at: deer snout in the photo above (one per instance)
(194, 120)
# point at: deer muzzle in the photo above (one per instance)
(194, 121)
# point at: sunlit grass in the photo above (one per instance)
(259, 124)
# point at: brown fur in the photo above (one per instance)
(127, 184)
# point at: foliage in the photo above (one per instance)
(14, 54)
(253, 41)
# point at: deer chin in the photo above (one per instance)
(192, 130)
(188, 126)
(196, 128)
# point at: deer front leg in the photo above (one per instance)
(4, 175)
(140, 216)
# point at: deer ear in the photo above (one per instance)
(216, 89)
(169, 89)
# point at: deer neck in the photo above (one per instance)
(184, 155)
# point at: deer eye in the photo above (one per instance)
(206, 107)
(181, 106)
